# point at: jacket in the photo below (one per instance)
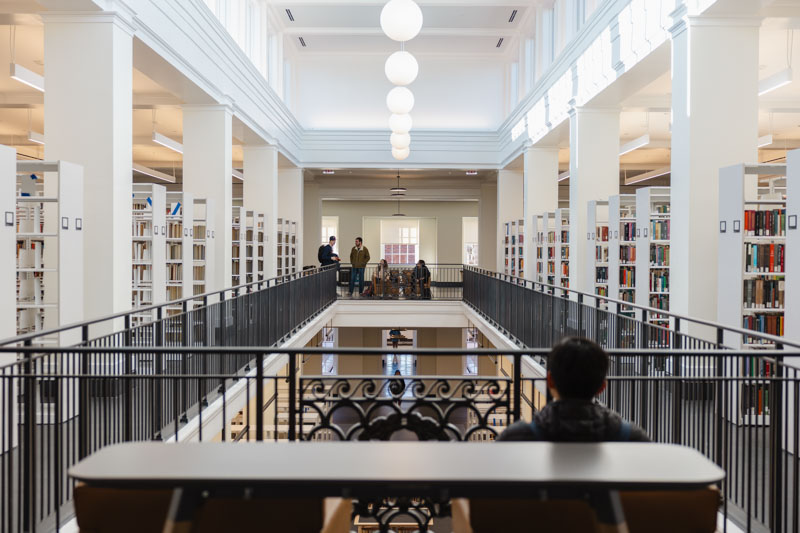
(359, 259)
(573, 421)
(328, 255)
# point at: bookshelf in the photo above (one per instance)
(597, 247)
(148, 249)
(751, 278)
(237, 246)
(622, 250)
(179, 215)
(250, 247)
(8, 261)
(538, 233)
(513, 247)
(287, 246)
(653, 243)
(202, 246)
(550, 247)
(49, 243)
(261, 247)
(562, 255)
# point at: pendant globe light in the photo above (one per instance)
(401, 68)
(400, 123)
(400, 153)
(400, 101)
(400, 140)
(401, 20)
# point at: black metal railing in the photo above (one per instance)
(405, 282)
(54, 413)
(537, 315)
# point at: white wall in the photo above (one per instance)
(350, 92)
(363, 219)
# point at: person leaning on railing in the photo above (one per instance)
(576, 374)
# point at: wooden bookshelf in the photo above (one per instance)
(653, 233)
(49, 242)
(148, 249)
(179, 215)
(562, 230)
(751, 278)
(597, 247)
(622, 250)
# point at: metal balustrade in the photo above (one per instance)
(401, 282)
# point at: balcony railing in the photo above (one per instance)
(404, 282)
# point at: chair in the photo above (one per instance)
(103, 510)
(689, 511)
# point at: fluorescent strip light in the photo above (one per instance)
(36, 137)
(766, 140)
(237, 174)
(776, 81)
(563, 176)
(28, 77)
(147, 171)
(648, 175)
(635, 144)
(166, 142)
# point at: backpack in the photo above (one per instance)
(319, 253)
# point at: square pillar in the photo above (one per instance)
(290, 191)
(593, 175)
(207, 165)
(509, 207)
(312, 221)
(88, 121)
(260, 193)
(540, 194)
(487, 226)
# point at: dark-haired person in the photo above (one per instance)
(421, 281)
(576, 374)
(359, 257)
(326, 255)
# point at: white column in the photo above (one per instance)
(87, 113)
(290, 191)
(312, 221)
(509, 206)
(261, 194)
(714, 124)
(593, 175)
(207, 164)
(487, 226)
(540, 194)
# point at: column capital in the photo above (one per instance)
(121, 15)
(225, 106)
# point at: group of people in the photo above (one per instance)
(382, 277)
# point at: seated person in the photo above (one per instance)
(380, 279)
(576, 374)
(421, 280)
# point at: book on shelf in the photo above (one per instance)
(659, 281)
(627, 231)
(659, 255)
(764, 293)
(771, 324)
(760, 258)
(765, 223)
(659, 230)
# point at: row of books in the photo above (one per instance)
(765, 223)
(199, 252)
(661, 209)
(659, 281)
(659, 301)
(763, 293)
(601, 233)
(565, 236)
(764, 257)
(755, 399)
(627, 231)
(235, 234)
(565, 253)
(199, 272)
(659, 255)
(141, 251)
(141, 273)
(659, 230)
(771, 324)
(142, 228)
(601, 254)
(174, 293)
(627, 277)
(174, 229)
(174, 250)
(756, 367)
(601, 291)
(627, 254)
(601, 274)
(174, 272)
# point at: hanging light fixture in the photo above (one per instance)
(400, 101)
(400, 140)
(401, 20)
(400, 153)
(398, 190)
(400, 123)
(401, 68)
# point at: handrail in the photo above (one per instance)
(778, 341)
(122, 314)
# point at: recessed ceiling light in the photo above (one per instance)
(328, 171)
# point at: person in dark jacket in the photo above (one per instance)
(576, 373)
(421, 280)
(327, 255)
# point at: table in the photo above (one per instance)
(364, 469)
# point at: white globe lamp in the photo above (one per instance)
(400, 140)
(400, 101)
(401, 20)
(400, 123)
(401, 68)
(400, 153)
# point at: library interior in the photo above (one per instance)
(484, 266)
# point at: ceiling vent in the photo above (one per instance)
(291, 17)
(499, 43)
(510, 19)
(302, 42)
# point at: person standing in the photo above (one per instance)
(359, 257)
(326, 255)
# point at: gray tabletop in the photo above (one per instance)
(335, 468)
